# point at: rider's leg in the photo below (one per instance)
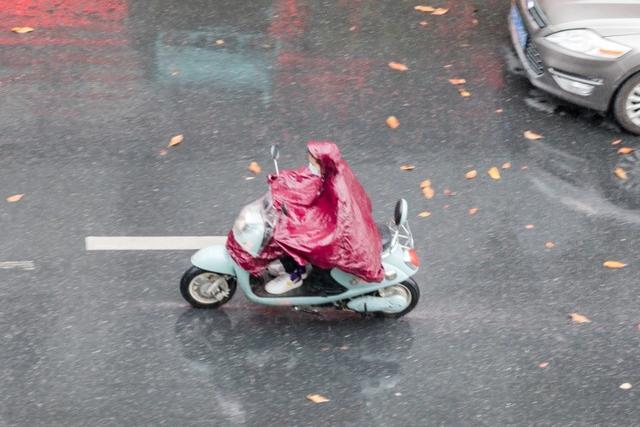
(275, 268)
(292, 267)
(286, 282)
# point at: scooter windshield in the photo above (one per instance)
(254, 225)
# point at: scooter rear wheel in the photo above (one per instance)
(409, 288)
(206, 289)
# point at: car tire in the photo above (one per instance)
(628, 89)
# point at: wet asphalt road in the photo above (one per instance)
(89, 100)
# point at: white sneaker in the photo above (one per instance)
(275, 268)
(283, 284)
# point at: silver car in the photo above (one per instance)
(586, 52)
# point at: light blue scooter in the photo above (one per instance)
(214, 276)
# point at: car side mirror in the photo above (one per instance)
(400, 213)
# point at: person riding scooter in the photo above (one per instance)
(326, 223)
(321, 220)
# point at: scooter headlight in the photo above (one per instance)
(240, 224)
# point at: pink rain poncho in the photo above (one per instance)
(328, 223)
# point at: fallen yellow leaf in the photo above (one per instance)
(425, 9)
(549, 245)
(464, 93)
(426, 189)
(457, 81)
(506, 165)
(614, 264)
(543, 365)
(625, 386)
(473, 211)
(579, 318)
(15, 198)
(532, 135)
(471, 174)
(398, 66)
(22, 30)
(494, 173)
(254, 167)
(407, 167)
(620, 173)
(219, 42)
(176, 140)
(428, 192)
(424, 214)
(625, 150)
(393, 122)
(529, 226)
(317, 398)
(440, 11)
(616, 142)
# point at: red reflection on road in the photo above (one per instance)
(352, 9)
(9, 41)
(329, 84)
(290, 20)
(461, 27)
(326, 83)
(69, 22)
(75, 48)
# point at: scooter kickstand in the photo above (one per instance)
(313, 311)
(364, 313)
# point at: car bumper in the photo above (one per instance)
(579, 79)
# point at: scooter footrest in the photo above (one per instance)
(325, 289)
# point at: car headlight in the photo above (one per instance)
(589, 43)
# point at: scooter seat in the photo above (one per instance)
(385, 235)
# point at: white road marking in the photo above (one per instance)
(151, 243)
(17, 265)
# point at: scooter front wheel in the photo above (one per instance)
(409, 290)
(206, 289)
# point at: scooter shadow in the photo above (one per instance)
(282, 359)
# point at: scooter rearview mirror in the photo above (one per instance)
(275, 152)
(400, 213)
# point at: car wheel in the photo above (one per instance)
(626, 106)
